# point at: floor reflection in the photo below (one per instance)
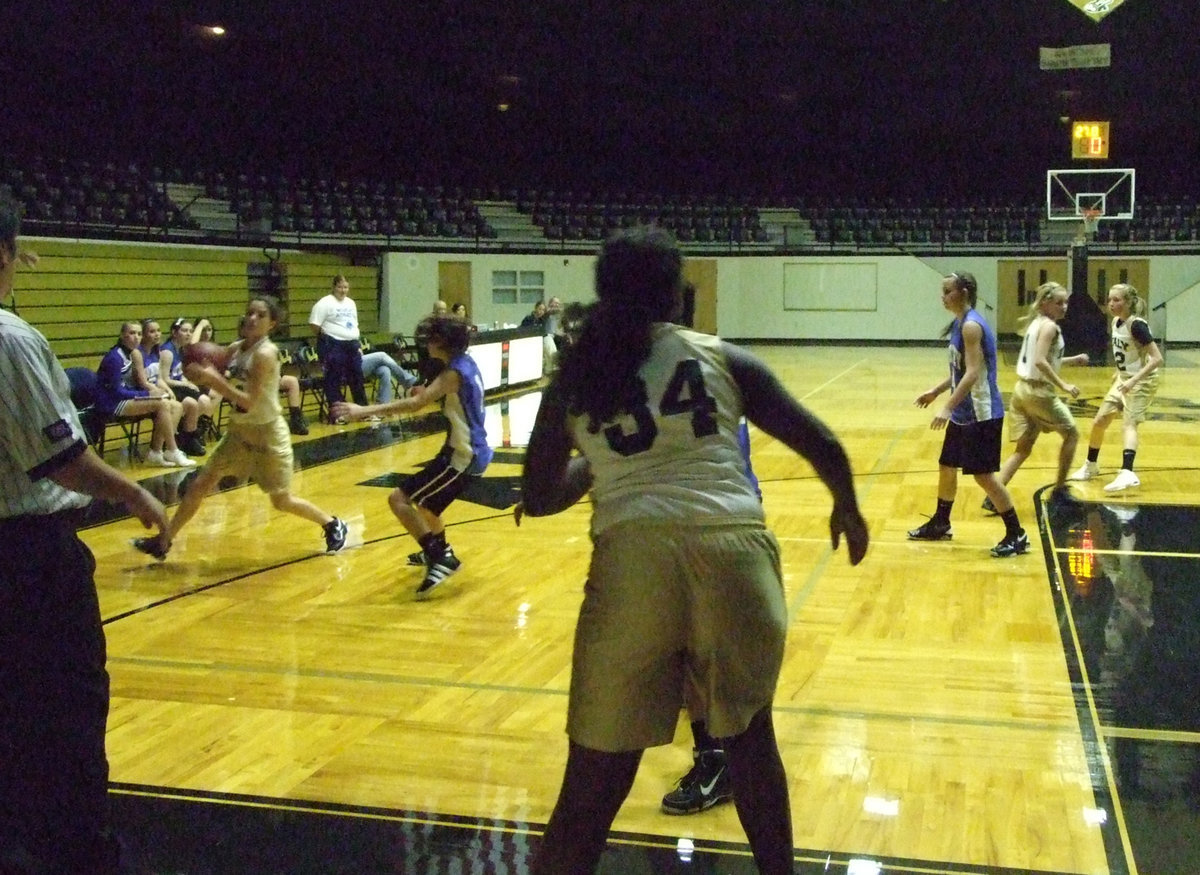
(1131, 583)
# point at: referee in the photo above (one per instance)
(53, 682)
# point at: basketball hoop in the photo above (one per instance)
(1091, 221)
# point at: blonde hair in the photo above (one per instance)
(1137, 306)
(1045, 292)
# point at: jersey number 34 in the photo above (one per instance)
(685, 393)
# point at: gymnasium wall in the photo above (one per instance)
(764, 298)
(81, 291)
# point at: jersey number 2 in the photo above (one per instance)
(696, 401)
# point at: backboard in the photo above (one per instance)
(1072, 193)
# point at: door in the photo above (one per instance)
(702, 273)
(1104, 273)
(454, 284)
(1016, 283)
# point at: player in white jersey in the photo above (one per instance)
(1138, 361)
(256, 444)
(684, 583)
(1036, 406)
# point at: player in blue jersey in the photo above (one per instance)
(973, 418)
(420, 501)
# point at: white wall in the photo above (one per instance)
(750, 293)
(1176, 281)
(410, 285)
(750, 299)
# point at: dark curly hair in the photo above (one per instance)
(639, 281)
(451, 332)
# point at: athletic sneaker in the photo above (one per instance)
(335, 535)
(705, 785)
(931, 531)
(437, 573)
(152, 546)
(1086, 472)
(178, 458)
(417, 558)
(988, 506)
(1125, 479)
(1012, 545)
(168, 459)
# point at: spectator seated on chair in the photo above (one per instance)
(83, 396)
(459, 311)
(118, 396)
(536, 319)
(170, 374)
(379, 366)
(147, 376)
(289, 385)
(203, 332)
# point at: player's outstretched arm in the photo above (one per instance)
(553, 480)
(87, 473)
(773, 409)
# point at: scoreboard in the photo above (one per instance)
(1089, 140)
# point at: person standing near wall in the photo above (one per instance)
(334, 321)
(54, 692)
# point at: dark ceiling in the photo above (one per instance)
(824, 95)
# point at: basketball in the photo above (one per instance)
(205, 352)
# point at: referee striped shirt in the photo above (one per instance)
(38, 422)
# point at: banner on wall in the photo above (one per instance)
(1075, 57)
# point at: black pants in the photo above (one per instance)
(341, 361)
(53, 702)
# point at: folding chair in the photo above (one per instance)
(95, 424)
(408, 356)
(312, 377)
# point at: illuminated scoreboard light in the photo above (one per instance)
(1089, 140)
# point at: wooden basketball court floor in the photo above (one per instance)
(277, 710)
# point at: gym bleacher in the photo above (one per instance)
(79, 199)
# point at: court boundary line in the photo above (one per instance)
(805, 856)
(1104, 784)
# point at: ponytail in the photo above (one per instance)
(1137, 306)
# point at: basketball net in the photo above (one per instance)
(1091, 221)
